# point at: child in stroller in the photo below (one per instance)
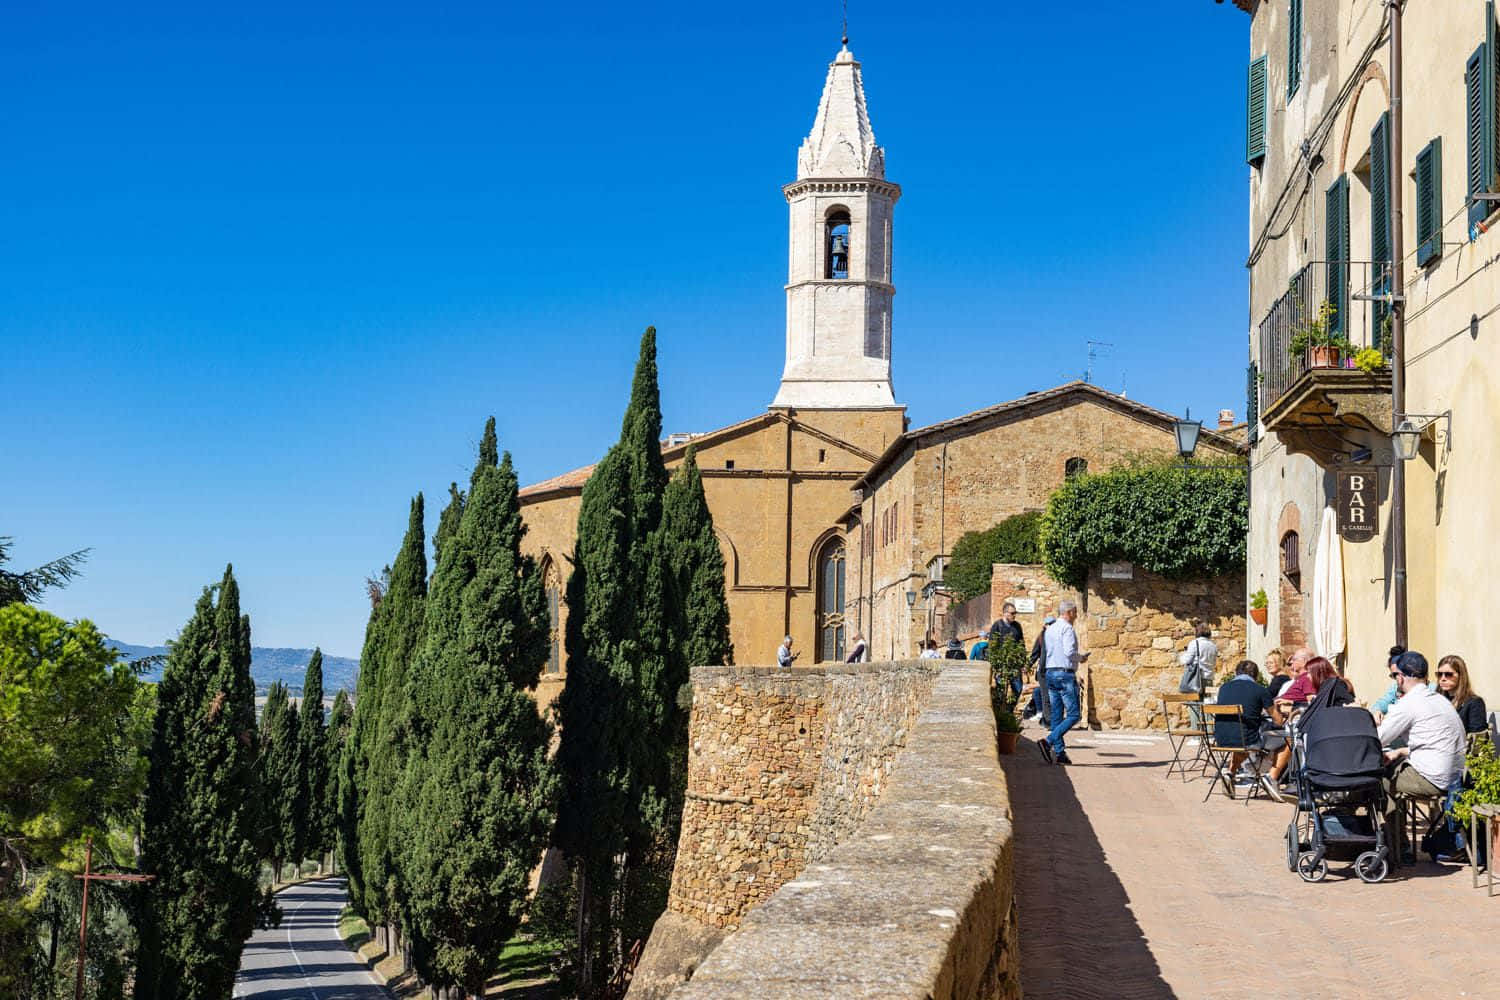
(1340, 800)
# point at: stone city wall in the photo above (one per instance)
(781, 765)
(915, 902)
(1136, 628)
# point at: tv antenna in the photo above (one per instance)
(1093, 355)
(846, 23)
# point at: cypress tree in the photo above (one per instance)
(201, 809)
(354, 773)
(615, 797)
(699, 621)
(313, 739)
(697, 566)
(282, 782)
(381, 733)
(340, 722)
(479, 792)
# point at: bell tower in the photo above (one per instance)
(838, 292)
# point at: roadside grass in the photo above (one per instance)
(524, 973)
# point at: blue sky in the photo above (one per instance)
(268, 269)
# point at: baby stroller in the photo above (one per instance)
(1340, 799)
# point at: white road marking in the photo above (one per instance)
(297, 958)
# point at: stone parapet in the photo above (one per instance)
(916, 901)
(782, 763)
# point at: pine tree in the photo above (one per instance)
(201, 810)
(615, 796)
(313, 738)
(282, 781)
(480, 791)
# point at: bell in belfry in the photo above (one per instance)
(839, 250)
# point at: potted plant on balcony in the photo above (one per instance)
(1258, 606)
(1318, 341)
(1369, 360)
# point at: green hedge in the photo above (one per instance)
(1013, 540)
(1170, 520)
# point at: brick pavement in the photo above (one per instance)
(1129, 886)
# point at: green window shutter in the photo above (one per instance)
(1380, 220)
(1336, 249)
(1293, 47)
(1480, 83)
(1255, 112)
(1252, 402)
(1430, 202)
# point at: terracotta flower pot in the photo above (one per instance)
(1325, 357)
(1008, 742)
(1258, 615)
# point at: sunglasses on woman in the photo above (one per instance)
(1446, 673)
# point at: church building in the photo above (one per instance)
(828, 507)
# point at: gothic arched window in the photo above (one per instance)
(831, 602)
(1075, 467)
(554, 618)
(836, 244)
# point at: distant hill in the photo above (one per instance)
(267, 665)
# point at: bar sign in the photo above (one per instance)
(1358, 504)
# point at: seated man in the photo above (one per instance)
(1254, 701)
(1434, 753)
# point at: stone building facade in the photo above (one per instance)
(827, 508)
(934, 484)
(1318, 120)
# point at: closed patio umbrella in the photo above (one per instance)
(1328, 589)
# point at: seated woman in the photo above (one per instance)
(1453, 684)
(1320, 672)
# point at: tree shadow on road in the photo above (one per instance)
(1079, 937)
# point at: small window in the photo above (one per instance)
(836, 245)
(1291, 559)
(1075, 467)
(728, 463)
(822, 454)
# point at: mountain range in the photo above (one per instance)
(267, 665)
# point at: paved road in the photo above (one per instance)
(304, 958)
(1130, 886)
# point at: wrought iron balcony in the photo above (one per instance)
(1313, 399)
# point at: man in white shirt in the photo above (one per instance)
(1433, 757)
(784, 654)
(1061, 657)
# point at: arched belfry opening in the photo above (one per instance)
(836, 243)
(830, 609)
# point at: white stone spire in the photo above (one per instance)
(838, 291)
(841, 143)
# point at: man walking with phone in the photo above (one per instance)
(1062, 659)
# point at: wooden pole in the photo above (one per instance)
(83, 924)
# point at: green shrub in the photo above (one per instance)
(1007, 662)
(1168, 519)
(1013, 540)
(1005, 717)
(1484, 776)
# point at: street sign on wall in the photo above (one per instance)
(1358, 504)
